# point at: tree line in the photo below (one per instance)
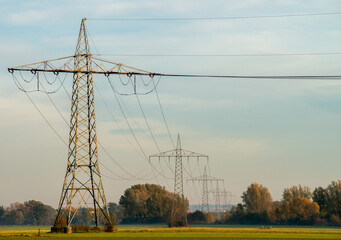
(150, 203)
(298, 206)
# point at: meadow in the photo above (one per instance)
(155, 232)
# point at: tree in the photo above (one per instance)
(237, 215)
(150, 203)
(197, 217)
(257, 198)
(334, 198)
(210, 218)
(280, 211)
(14, 217)
(304, 210)
(36, 213)
(177, 211)
(2, 214)
(320, 196)
(116, 210)
(297, 206)
(290, 194)
(83, 217)
(29, 213)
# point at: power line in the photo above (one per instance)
(163, 114)
(221, 55)
(152, 74)
(133, 134)
(47, 121)
(121, 130)
(150, 130)
(103, 148)
(216, 18)
(278, 77)
(55, 131)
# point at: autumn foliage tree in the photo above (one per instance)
(296, 206)
(256, 207)
(257, 198)
(149, 203)
(258, 203)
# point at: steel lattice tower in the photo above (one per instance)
(178, 154)
(83, 179)
(178, 179)
(204, 206)
(216, 193)
(83, 185)
(205, 178)
(226, 195)
(217, 200)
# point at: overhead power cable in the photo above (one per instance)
(151, 74)
(45, 119)
(133, 134)
(221, 55)
(217, 18)
(302, 77)
(163, 114)
(133, 177)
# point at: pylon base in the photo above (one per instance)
(61, 229)
(68, 230)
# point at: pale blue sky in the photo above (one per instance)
(278, 133)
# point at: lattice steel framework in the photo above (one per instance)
(204, 205)
(204, 179)
(82, 183)
(216, 192)
(178, 154)
(227, 196)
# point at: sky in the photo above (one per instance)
(278, 133)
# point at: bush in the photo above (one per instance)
(197, 217)
(335, 220)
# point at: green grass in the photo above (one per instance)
(154, 232)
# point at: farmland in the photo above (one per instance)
(195, 232)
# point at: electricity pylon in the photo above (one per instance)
(204, 179)
(204, 199)
(227, 196)
(178, 154)
(216, 193)
(82, 183)
(83, 178)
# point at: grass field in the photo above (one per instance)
(154, 232)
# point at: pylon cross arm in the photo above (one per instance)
(177, 153)
(99, 66)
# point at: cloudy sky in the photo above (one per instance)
(278, 133)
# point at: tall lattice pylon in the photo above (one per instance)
(179, 218)
(83, 185)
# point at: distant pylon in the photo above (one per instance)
(178, 179)
(217, 200)
(216, 193)
(204, 205)
(227, 199)
(178, 153)
(204, 178)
